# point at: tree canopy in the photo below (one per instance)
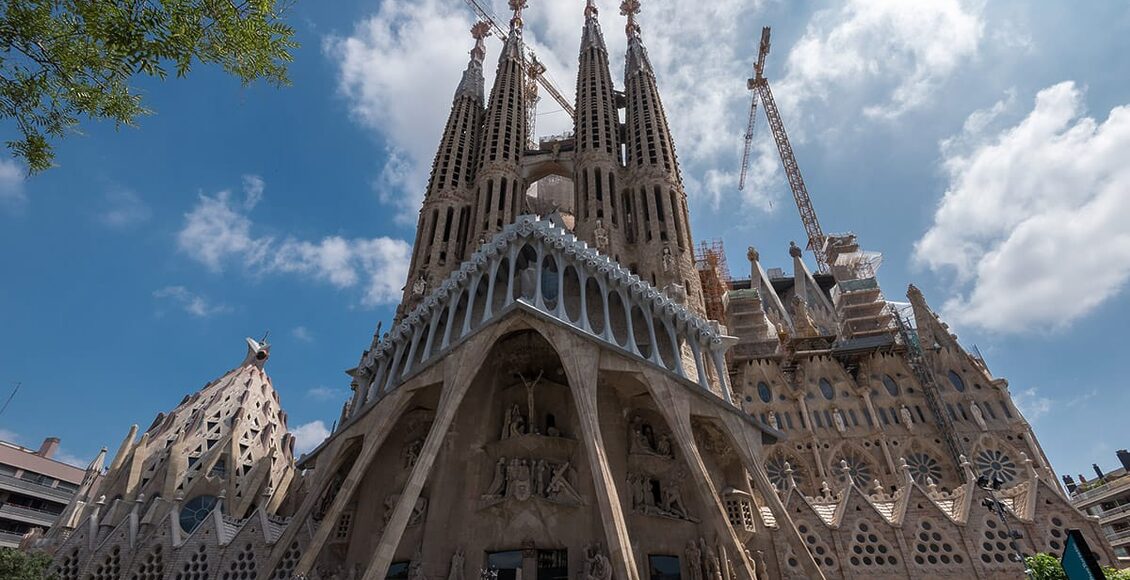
(61, 60)
(17, 565)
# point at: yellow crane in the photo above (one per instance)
(759, 85)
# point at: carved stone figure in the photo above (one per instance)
(663, 446)
(540, 468)
(673, 501)
(498, 484)
(597, 565)
(514, 423)
(600, 236)
(559, 488)
(420, 286)
(694, 560)
(772, 418)
(668, 260)
(640, 443)
(978, 415)
(412, 452)
(456, 571)
(802, 319)
(907, 419)
(518, 480)
(838, 419)
(527, 280)
(712, 566)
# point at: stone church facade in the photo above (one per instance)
(567, 393)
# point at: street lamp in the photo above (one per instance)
(991, 503)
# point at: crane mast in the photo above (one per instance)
(534, 72)
(759, 85)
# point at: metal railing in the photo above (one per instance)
(24, 485)
(39, 516)
(1114, 513)
(1119, 538)
(8, 539)
(1100, 491)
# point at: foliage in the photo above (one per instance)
(1047, 567)
(62, 59)
(18, 565)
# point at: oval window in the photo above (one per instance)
(764, 392)
(827, 390)
(892, 386)
(194, 512)
(958, 384)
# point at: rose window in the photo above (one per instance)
(857, 468)
(775, 469)
(924, 468)
(993, 463)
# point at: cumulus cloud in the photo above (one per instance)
(218, 232)
(1033, 222)
(190, 302)
(301, 333)
(12, 194)
(325, 394)
(908, 48)
(123, 208)
(1031, 403)
(308, 436)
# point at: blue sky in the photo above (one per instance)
(981, 147)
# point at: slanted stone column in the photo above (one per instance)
(581, 367)
(459, 372)
(673, 403)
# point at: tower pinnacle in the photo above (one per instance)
(591, 9)
(517, 6)
(630, 8)
(479, 31)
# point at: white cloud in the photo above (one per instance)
(12, 176)
(218, 232)
(398, 70)
(123, 208)
(71, 459)
(1031, 403)
(253, 187)
(909, 47)
(301, 333)
(9, 435)
(191, 302)
(308, 436)
(1033, 222)
(325, 394)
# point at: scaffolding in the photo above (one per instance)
(710, 261)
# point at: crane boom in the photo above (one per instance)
(792, 171)
(529, 56)
(760, 87)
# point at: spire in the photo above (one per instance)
(596, 129)
(498, 187)
(441, 233)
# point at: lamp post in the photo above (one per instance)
(991, 503)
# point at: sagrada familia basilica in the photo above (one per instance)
(566, 392)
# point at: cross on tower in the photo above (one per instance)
(630, 8)
(479, 31)
(517, 6)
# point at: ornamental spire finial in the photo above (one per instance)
(516, 6)
(590, 9)
(479, 31)
(630, 8)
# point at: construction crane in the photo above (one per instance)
(759, 85)
(534, 71)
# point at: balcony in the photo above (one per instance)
(28, 515)
(1120, 539)
(1080, 500)
(1114, 514)
(36, 489)
(10, 540)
